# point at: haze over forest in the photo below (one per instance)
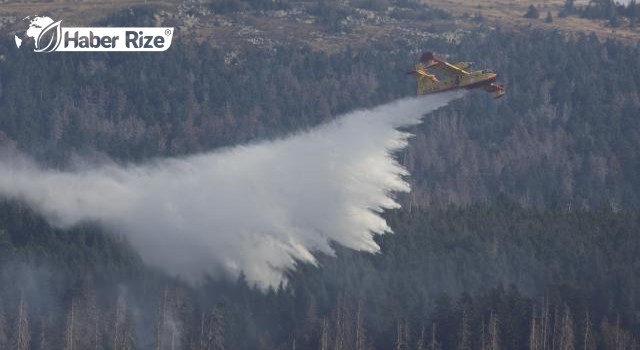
(242, 191)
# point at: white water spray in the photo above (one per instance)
(255, 208)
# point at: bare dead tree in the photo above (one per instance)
(556, 326)
(340, 324)
(464, 341)
(360, 337)
(618, 332)
(201, 342)
(4, 330)
(324, 340)
(122, 326)
(311, 328)
(23, 333)
(434, 340)
(69, 334)
(421, 345)
(161, 320)
(46, 330)
(215, 331)
(493, 332)
(533, 330)
(483, 336)
(402, 335)
(169, 322)
(567, 335)
(545, 324)
(587, 325)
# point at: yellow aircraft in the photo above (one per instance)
(457, 76)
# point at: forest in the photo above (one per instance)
(521, 230)
(605, 9)
(478, 277)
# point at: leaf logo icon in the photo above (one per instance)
(54, 33)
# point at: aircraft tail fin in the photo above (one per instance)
(427, 57)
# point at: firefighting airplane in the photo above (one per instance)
(457, 76)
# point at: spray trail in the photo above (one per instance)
(254, 208)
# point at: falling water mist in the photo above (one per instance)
(255, 209)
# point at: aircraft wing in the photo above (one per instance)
(441, 65)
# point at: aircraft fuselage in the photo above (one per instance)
(452, 76)
(473, 80)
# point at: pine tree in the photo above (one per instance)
(549, 18)
(568, 8)
(532, 12)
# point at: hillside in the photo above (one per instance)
(510, 14)
(332, 25)
(327, 26)
(520, 231)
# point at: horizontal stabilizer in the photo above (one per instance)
(498, 89)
